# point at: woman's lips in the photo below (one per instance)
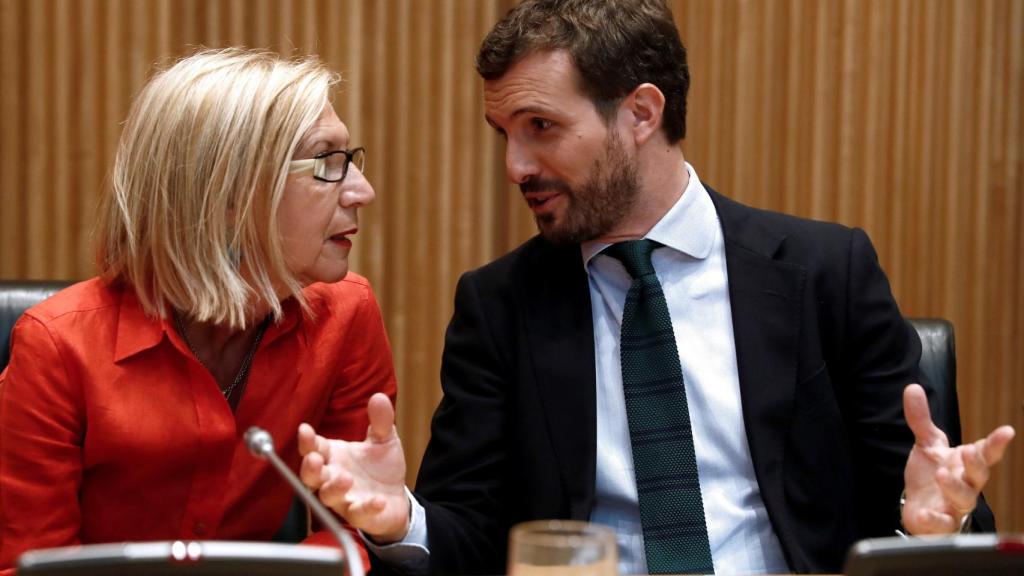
(342, 239)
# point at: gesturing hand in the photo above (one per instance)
(942, 483)
(364, 481)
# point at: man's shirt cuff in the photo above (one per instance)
(411, 555)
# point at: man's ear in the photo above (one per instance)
(646, 107)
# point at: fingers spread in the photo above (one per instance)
(959, 496)
(312, 470)
(333, 492)
(976, 469)
(994, 446)
(382, 418)
(307, 439)
(919, 418)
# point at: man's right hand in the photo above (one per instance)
(364, 482)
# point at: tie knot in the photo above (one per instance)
(635, 255)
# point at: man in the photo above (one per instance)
(779, 397)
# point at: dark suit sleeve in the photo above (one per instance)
(460, 481)
(880, 353)
(884, 352)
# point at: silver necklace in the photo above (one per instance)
(243, 371)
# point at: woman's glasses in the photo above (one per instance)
(330, 166)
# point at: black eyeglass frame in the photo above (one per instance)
(311, 164)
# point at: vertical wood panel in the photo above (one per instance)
(903, 118)
(899, 117)
(83, 101)
(11, 196)
(35, 141)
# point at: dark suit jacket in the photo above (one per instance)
(823, 356)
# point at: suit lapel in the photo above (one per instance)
(560, 334)
(766, 296)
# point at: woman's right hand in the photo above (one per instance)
(364, 482)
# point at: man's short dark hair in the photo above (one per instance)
(616, 46)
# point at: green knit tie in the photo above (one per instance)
(671, 509)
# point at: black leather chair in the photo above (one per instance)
(938, 365)
(16, 296)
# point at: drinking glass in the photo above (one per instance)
(563, 548)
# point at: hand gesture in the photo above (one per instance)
(364, 482)
(942, 483)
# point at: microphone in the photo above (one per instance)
(261, 444)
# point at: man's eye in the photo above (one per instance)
(540, 124)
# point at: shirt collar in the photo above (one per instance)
(138, 332)
(688, 227)
(292, 316)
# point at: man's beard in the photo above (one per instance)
(595, 207)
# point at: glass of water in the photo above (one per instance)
(562, 547)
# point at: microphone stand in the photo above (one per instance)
(261, 444)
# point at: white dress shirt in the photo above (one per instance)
(692, 272)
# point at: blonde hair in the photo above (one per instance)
(190, 219)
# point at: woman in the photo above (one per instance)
(223, 301)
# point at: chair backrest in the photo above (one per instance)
(938, 365)
(16, 296)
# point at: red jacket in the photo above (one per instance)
(110, 429)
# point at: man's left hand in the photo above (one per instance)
(942, 483)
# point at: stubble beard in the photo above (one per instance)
(594, 208)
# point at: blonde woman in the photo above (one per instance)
(224, 300)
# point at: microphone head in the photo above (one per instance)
(259, 441)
